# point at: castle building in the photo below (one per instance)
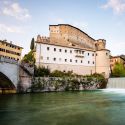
(70, 49)
(10, 51)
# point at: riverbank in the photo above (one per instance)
(8, 91)
(50, 84)
(57, 84)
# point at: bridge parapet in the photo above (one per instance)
(7, 60)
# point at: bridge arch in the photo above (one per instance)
(5, 82)
(10, 70)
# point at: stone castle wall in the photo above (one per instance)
(70, 35)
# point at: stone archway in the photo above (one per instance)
(5, 82)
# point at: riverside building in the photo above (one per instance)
(70, 49)
(116, 59)
(10, 51)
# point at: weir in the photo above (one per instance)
(116, 83)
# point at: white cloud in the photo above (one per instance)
(118, 6)
(10, 29)
(15, 10)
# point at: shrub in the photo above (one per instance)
(41, 71)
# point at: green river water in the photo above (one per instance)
(102, 107)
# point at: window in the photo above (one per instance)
(96, 54)
(88, 62)
(47, 48)
(47, 58)
(54, 59)
(65, 60)
(2, 49)
(76, 51)
(106, 54)
(93, 62)
(60, 50)
(59, 59)
(54, 49)
(88, 54)
(65, 51)
(93, 54)
(76, 61)
(70, 60)
(70, 51)
(81, 61)
(82, 52)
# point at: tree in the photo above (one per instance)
(29, 58)
(32, 44)
(119, 70)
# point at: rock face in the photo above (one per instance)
(42, 84)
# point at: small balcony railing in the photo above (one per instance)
(79, 53)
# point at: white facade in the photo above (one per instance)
(79, 61)
(63, 55)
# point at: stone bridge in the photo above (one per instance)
(10, 68)
(16, 73)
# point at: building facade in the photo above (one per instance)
(116, 59)
(10, 51)
(70, 49)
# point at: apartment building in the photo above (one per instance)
(9, 50)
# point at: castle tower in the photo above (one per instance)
(102, 58)
(100, 44)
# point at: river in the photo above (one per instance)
(100, 107)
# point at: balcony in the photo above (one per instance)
(79, 53)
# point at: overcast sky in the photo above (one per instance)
(21, 20)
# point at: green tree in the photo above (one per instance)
(119, 70)
(29, 58)
(32, 45)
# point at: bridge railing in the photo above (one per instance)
(4, 59)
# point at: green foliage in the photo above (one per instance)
(119, 70)
(32, 45)
(101, 80)
(29, 58)
(41, 71)
(38, 86)
(58, 73)
(74, 84)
